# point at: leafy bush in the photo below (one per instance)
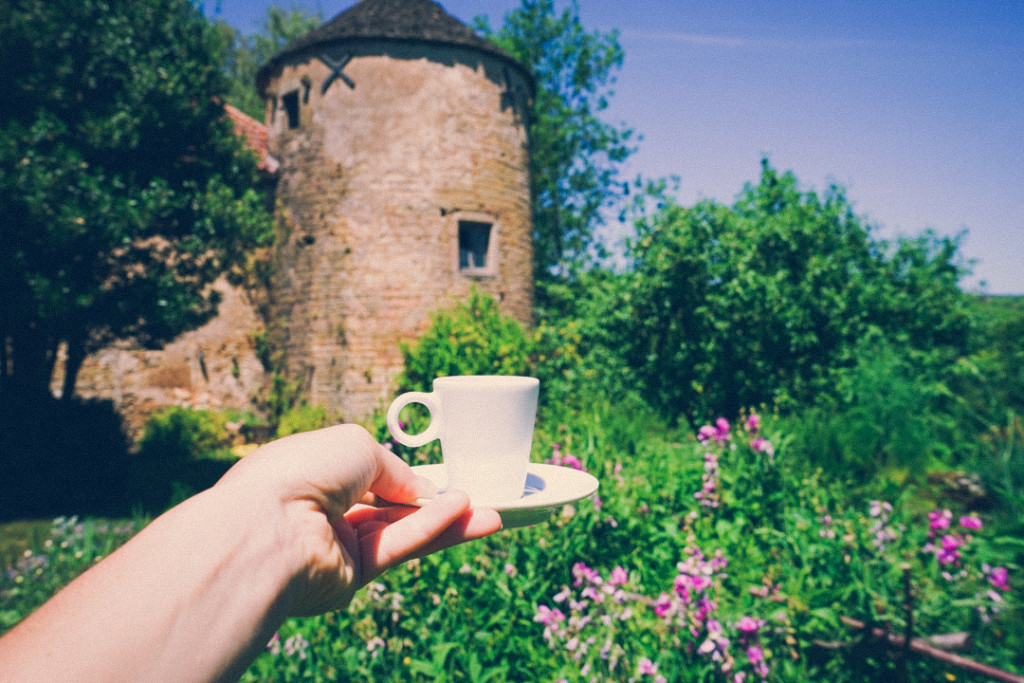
(303, 418)
(564, 351)
(472, 338)
(882, 425)
(183, 433)
(762, 302)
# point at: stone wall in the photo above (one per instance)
(373, 184)
(215, 367)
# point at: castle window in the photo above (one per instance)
(475, 247)
(290, 102)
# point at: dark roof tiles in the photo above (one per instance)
(405, 20)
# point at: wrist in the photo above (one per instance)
(237, 586)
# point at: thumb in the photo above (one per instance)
(397, 482)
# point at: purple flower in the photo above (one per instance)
(646, 667)
(582, 573)
(999, 578)
(572, 461)
(880, 509)
(296, 645)
(749, 624)
(938, 520)
(618, 577)
(970, 522)
(948, 552)
(663, 606)
(548, 616)
(756, 657)
(753, 423)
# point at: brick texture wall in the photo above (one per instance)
(372, 185)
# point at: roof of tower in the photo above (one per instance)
(398, 20)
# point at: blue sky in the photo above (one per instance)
(915, 107)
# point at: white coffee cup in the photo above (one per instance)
(485, 424)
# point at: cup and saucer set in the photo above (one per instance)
(485, 425)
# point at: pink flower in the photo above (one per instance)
(753, 423)
(756, 657)
(938, 520)
(618, 577)
(999, 578)
(664, 605)
(970, 522)
(547, 616)
(948, 553)
(762, 445)
(646, 667)
(749, 624)
(584, 573)
(572, 461)
(719, 433)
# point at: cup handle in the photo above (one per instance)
(428, 434)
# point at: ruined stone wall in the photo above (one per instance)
(373, 184)
(214, 367)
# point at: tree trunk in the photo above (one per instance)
(76, 356)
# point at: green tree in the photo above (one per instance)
(247, 53)
(124, 191)
(575, 155)
(764, 301)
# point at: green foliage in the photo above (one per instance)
(183, 433)
(124, 191)
(765, 301)
(573, 344)
(1000, 355)
(472, 338)
(303, 417)
(785, 546)
(574, 155)
(245, 54)
(883, 426)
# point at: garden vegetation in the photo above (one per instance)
(800, 429)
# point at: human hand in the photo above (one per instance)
(323, 487)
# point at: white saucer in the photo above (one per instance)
(547, 487)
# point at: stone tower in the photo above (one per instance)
(403, 183)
